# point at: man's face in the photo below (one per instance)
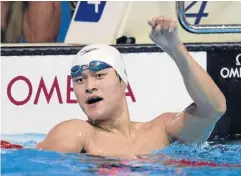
(99, 94)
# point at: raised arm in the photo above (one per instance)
(67, 137)
(197, 121)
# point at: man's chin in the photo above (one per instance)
(95, 117)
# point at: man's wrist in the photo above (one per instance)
(177, 52)
(177, 47)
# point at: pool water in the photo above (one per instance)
(222, 160)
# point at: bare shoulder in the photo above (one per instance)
(67, 136)
(162, 118)
(74, 123)
(70, 127)
(162, 121)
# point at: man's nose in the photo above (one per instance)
(91, 86)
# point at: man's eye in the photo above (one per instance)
(79, 80)
(100, 76)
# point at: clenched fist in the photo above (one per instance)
(164, 33)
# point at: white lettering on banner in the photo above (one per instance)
(96, 4)
(232, 72)
(36, 99)
(238, 59)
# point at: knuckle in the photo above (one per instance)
(160, 18)
(158, 27)
(173, 23)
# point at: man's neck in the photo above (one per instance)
(119, 124)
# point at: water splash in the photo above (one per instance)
(34, 162)
(218, 153)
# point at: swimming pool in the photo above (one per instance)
(177, 159)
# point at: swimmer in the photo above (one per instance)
(99, 79)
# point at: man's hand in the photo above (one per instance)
(164, 33)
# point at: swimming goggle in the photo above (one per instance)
(94, 66)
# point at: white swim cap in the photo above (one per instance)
(104, 53)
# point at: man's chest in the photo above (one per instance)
(144, 143)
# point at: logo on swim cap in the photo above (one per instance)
(125, 72)
(87, 51)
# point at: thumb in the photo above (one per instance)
(150, 23)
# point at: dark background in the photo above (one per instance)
(230, 123)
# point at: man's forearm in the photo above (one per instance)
(202, 89)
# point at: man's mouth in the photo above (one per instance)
(93, 100)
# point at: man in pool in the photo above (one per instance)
(99, 81)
